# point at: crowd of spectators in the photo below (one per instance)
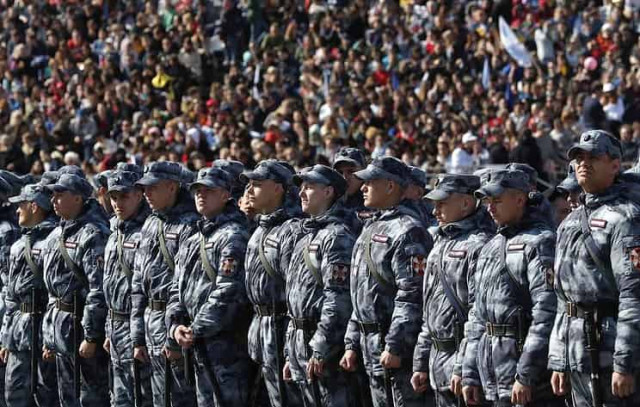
(97, 82)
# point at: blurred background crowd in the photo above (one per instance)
(97, 82)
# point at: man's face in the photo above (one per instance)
(65, 204)
(595, 173)
(451, 209)
(26, 214)
(574, 200)
(561, 209)
(376, 193)
(261, 194)
(210, 201)
(353, 183)
(125, 204)
(160, 195)
(314, 198)
(104, 200)
(506, 208)
(414, 192)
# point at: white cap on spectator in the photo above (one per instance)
(608, 87)
(469, 137)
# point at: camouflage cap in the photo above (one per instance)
(351, 156)
(269, 169)
(14, 181)
(386, 168)
(72, 169)
(234, 168)
(34, 193)
(453, 184)
(160, 171)
(101, 179)
(569, 185)
(122, 181)
(495, 183)
(527, 169)
(418, 176)
(212, 178)
(49, 178)
(597, 142)
(321, 174)
(131, 168)
(72, 183)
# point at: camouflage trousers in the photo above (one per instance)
(271, 378)
(17, 381)
(401, 389)
(182, 395)
(581, 391)
(94, 389)
(221, 384)
(123, 390)
(332, 390)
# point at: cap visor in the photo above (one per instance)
(569, 185)
(309, 177)
(205, 183)
(17, 199)
(345, 160)
(252, 175)
(368, 174)
(148, 181)
(576, 149)
(120, 188)
(437, 195)
(490, 190)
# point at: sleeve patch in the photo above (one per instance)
(598, 223)
(339, 273)
(458, 254)
(271, 242)
(314, 247)
(35, 251)
(130, 245)
(418, 265)
(229, 265)
(515, 247)
(70, 245)
(380, 238)
(171, 236)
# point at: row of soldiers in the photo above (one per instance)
(329, 287)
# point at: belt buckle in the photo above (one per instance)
(572, 309)
(489, 328)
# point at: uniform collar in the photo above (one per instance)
(231, 213)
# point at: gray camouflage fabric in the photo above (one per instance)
(320, 297)
(217, 311)
(519, 295)
(117, 293)
(614, 225)
(17, 326)
(455, 255)
(84, 239)
(151, 281)
(399, 249)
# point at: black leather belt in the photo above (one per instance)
(267, 310)
(119, 316)
(64, 306)
(501, 330)
(157, 305)
(599, 310)
(444, 345)
(368, 328)
(305, 324)
(28, 308)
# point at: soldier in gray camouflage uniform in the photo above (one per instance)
(449, 281)
(170, 224)
(130, 212)
(24, 285)
(268, 253)
(208, 310)
(415, 192)
(318, 291)
(73, 264)
(513, 301)
(387, 270)
(9, 232)
(595, 344)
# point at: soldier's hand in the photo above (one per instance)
(4, 355)
(184, 336)
(622, 385)
(286, 372)
(420, 381)
(172, 354)
(520, 394)
(349, 361)
(107, 345)
(390, 361)
(315, 368)
(471, 395)
(48, 355)
(140, 353)
(559, 383)
(455, 385)
(87, 350)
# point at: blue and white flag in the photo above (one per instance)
(513, 46)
